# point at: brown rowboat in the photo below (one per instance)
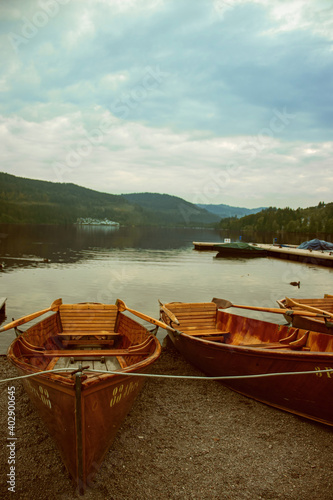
(319, 324)
(223, 344)
(83, 409)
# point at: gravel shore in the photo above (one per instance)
(182, 439)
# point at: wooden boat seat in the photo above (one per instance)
(192, 316)
(88, 319)
(197, 320)
(101, 333)
(85, 342)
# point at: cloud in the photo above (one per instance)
(122, 157)
(167, 96)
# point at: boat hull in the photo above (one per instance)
(308, 395)
(102, 410)
(303, 395)
(83, 409)
(239, 250)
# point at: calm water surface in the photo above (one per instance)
(140, 266)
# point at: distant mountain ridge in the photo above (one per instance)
(226, 211)
(29, 201)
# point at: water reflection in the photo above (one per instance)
(140, 266)
(33, 245)
(30, 245)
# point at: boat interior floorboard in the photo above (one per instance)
(110, 363)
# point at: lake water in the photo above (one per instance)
(142, 265)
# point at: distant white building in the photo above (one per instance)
(88, 221)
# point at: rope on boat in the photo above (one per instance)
(36, 374)
(154, 375)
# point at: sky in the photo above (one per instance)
(215, 101)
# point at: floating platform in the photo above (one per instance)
(202, 246)
(288, 252)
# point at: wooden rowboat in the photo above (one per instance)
(319, 324)
(83, 409)
(222, 344)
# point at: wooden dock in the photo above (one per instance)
(204, 246)
(316, 257)
(288, 252)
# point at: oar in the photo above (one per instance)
(225, 304)
(168, 313)
(53, 307)
(291, 302)
(123, 307)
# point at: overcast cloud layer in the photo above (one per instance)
(214, 101)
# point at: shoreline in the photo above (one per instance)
(188, 439)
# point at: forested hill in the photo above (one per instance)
(302, 220)
(170, 208)
(41, 202)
